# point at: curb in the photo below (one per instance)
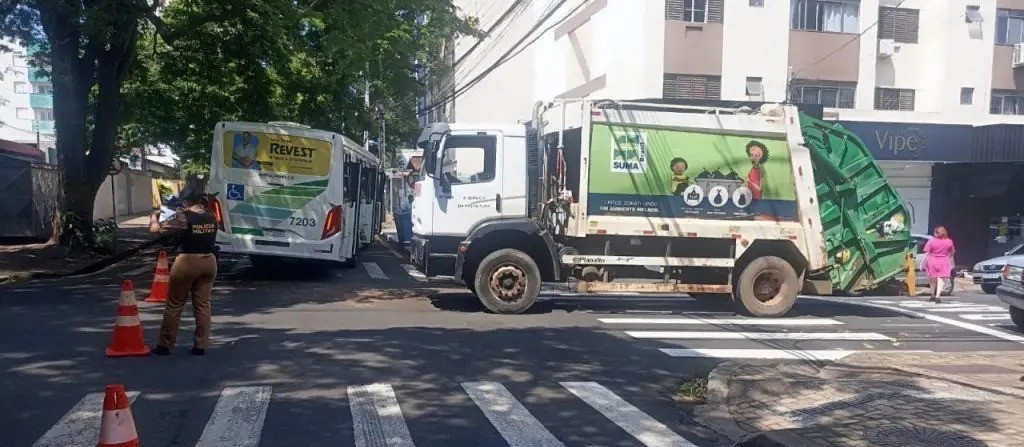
(782, 438)
(714, 414)
(90, 268)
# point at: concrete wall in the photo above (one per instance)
(132, 195)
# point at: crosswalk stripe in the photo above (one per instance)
(512, 420)
(926, 304)
(377, 417)
(882, 301)
(764, 354)
(80, 427)
(635, 422)
(374, 270)
(726, 335)
(986, 309)
(736, 321)
(415, 274)
(986, 317)
(237, 419)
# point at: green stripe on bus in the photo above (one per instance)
(296, 191)
(282, 201)
(247, 231)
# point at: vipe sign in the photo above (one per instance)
(629, 151)
(909, 143)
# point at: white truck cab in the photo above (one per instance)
(473, 173)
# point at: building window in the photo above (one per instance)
(681, 86)
(1009, 26)
(695, 11)
(898, 24)
(21, 87)
(23, 113)
(46, 89)
(966, 96)
(755, 89)
(833, 16)
(757, 3)
(973, 18)
(840, 95)
(894, 99)
(43, 114)
(1007, 103)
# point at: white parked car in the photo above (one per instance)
(988, 273)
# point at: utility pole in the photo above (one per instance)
(366, 99)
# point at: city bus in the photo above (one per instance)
(285, 190)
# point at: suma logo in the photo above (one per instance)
(629, 151)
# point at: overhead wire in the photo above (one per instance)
(510, 54)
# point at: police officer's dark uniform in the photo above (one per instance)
(193, 271)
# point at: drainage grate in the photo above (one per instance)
(915, 436)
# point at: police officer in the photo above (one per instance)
(192, 272)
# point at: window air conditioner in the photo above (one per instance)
(1018, 55)
(886, 48)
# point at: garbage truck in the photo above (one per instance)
(739, 205)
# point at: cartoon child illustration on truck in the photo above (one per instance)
(758, 154)
(679, 180)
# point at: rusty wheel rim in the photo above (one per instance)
(508, 282)
(767, 285)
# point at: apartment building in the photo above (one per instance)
(935, 88)
(26, 101)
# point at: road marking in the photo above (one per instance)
(967, 309)
(682, 335)
(737, 321)
(986, 317)
(635, 422)
(926, 304)
(512, 420)
(765, 354)
(80, 427)
(374, 270)
(883, 301)
(950, 321)
(377, 417)
(415, 274)
(237, 419)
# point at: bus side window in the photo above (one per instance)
(351, 180)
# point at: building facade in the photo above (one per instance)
(26, 101)
(935, 88)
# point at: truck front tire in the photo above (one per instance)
(507, 281)
(767, 287)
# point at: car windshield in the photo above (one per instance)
(1018, 250)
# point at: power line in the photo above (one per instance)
(510, 54)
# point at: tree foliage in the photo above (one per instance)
(303, 61)
(133, 72)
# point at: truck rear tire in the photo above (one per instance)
(507, 281)
(767, 287)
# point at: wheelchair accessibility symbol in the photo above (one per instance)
(236, 192)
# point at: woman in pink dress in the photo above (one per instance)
(939, 261)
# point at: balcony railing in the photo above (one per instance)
(40, 100)
(37, 75)
(43, 127)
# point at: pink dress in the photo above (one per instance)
(939, 263)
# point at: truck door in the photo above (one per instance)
(469, 182)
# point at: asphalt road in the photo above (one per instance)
(354, 357)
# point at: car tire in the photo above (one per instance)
(947, 289)
(515, 274)
(1017, 315)
(769, 275)
(989, 288)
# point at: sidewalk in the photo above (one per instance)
(21, 262)
(871, 399)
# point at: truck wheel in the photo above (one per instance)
(507, 282)
(989, 288)
(767, 287)
(1017, 315)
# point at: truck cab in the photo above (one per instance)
(472, 174)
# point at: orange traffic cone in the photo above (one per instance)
(127, 328)
(117, 428)
(161, 281)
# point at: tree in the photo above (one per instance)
(307, 65)
(212, 59)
